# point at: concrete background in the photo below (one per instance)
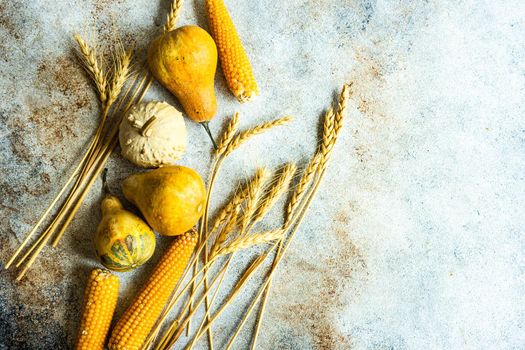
(415, 240)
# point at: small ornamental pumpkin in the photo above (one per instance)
(153, 134)
(123, 241)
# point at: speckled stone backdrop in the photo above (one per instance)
(416, 239)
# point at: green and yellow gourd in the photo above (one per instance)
(123, 241)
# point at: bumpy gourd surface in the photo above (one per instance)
(153, 134)
(123, 241)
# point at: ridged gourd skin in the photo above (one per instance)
(123, 241)
(153, 134)
(170, 198)
(184, 61)
(234, 61)
(100, 300)
(133, 328)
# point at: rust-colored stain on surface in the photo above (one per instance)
(322, 293)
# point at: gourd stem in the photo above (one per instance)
(147, 125)
(105, 187)
(206, 126)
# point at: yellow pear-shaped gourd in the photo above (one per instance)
(171, 198)
(123, 241)
(184, 60)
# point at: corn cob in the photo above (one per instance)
(99, 304)
(135, 325)
(234, 61)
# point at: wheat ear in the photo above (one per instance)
(341, 108)
(173, 15)
(230, 209)
(255, 190)
(302, 185)
(228, 134)
(244, 242)
(332, 127)
(327, 141)
(93, 67)
(298, 215)
(121, 73)
(241, 138)
(250, 194)
(279, 188)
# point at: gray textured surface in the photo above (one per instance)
(416, 238)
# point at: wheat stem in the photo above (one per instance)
(267, 202)
(214, 296)
(228, 211)
(203, 236)
(258, 321)
(236, 290)
(99, 160)
(120, 75)
(254, 266)
(181, 326)
(98, 153)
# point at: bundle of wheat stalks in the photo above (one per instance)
(119, 86)
(233, 229)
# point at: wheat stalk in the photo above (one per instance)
(301, 186)
(241, 138)
(250, 194)
(93, 67)
(230, 209)
(227, 215)
(327, 141)
(78, 193)
(275, 192)
(255, 190)
(173, 15)
(265, 205)
(301, 211)
(227, 135)
(121, 72)
(341, 108)
(97, 153)
(332, 127)
(215, 168)
(244, 242)
(252, 268)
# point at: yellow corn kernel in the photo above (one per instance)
(100, 300)
(135, 325)
(234, 61)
